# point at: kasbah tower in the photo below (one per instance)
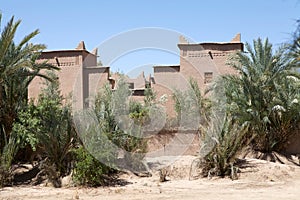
(81, 77)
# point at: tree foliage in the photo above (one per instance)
(88, 170)
(222, 144)
(265, 94)
(112, 126)
(48, 127)
(259, 107)
(18, 67)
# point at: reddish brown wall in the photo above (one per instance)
(78, 75)
(195, 60)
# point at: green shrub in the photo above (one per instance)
(48, 127)
(89, 171)
(121, 120)
(222, 144)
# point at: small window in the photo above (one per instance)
(208, 77)
(184, 53)
(131, 85)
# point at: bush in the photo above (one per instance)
(6, 159)
(113, 126)
(222, 144)
(48, 127)
(89, 171)
(122, 120)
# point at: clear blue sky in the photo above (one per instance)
(63, 24)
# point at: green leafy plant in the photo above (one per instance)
(56, 134)
(113, 126)
(222, 144)
(88, 170)
(191, 106)
(265, 95)
(18, 68)
(294, 47)
(48, 127)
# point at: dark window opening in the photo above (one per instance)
(208, 77)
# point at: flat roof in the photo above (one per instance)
(97, 67)
(66, 50)
(210, 43)
(163, 66)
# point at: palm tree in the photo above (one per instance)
(18, 68)
(265, 94)
(294, 47)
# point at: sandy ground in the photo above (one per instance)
(258, 180)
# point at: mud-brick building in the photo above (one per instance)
(203, 62)
(80, 76)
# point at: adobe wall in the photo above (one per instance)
(70, 71)
(89, 59)
(78, 75)
(160, 90)
(196, 60)
(93, 79)
(138, 82)
(166, 80)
